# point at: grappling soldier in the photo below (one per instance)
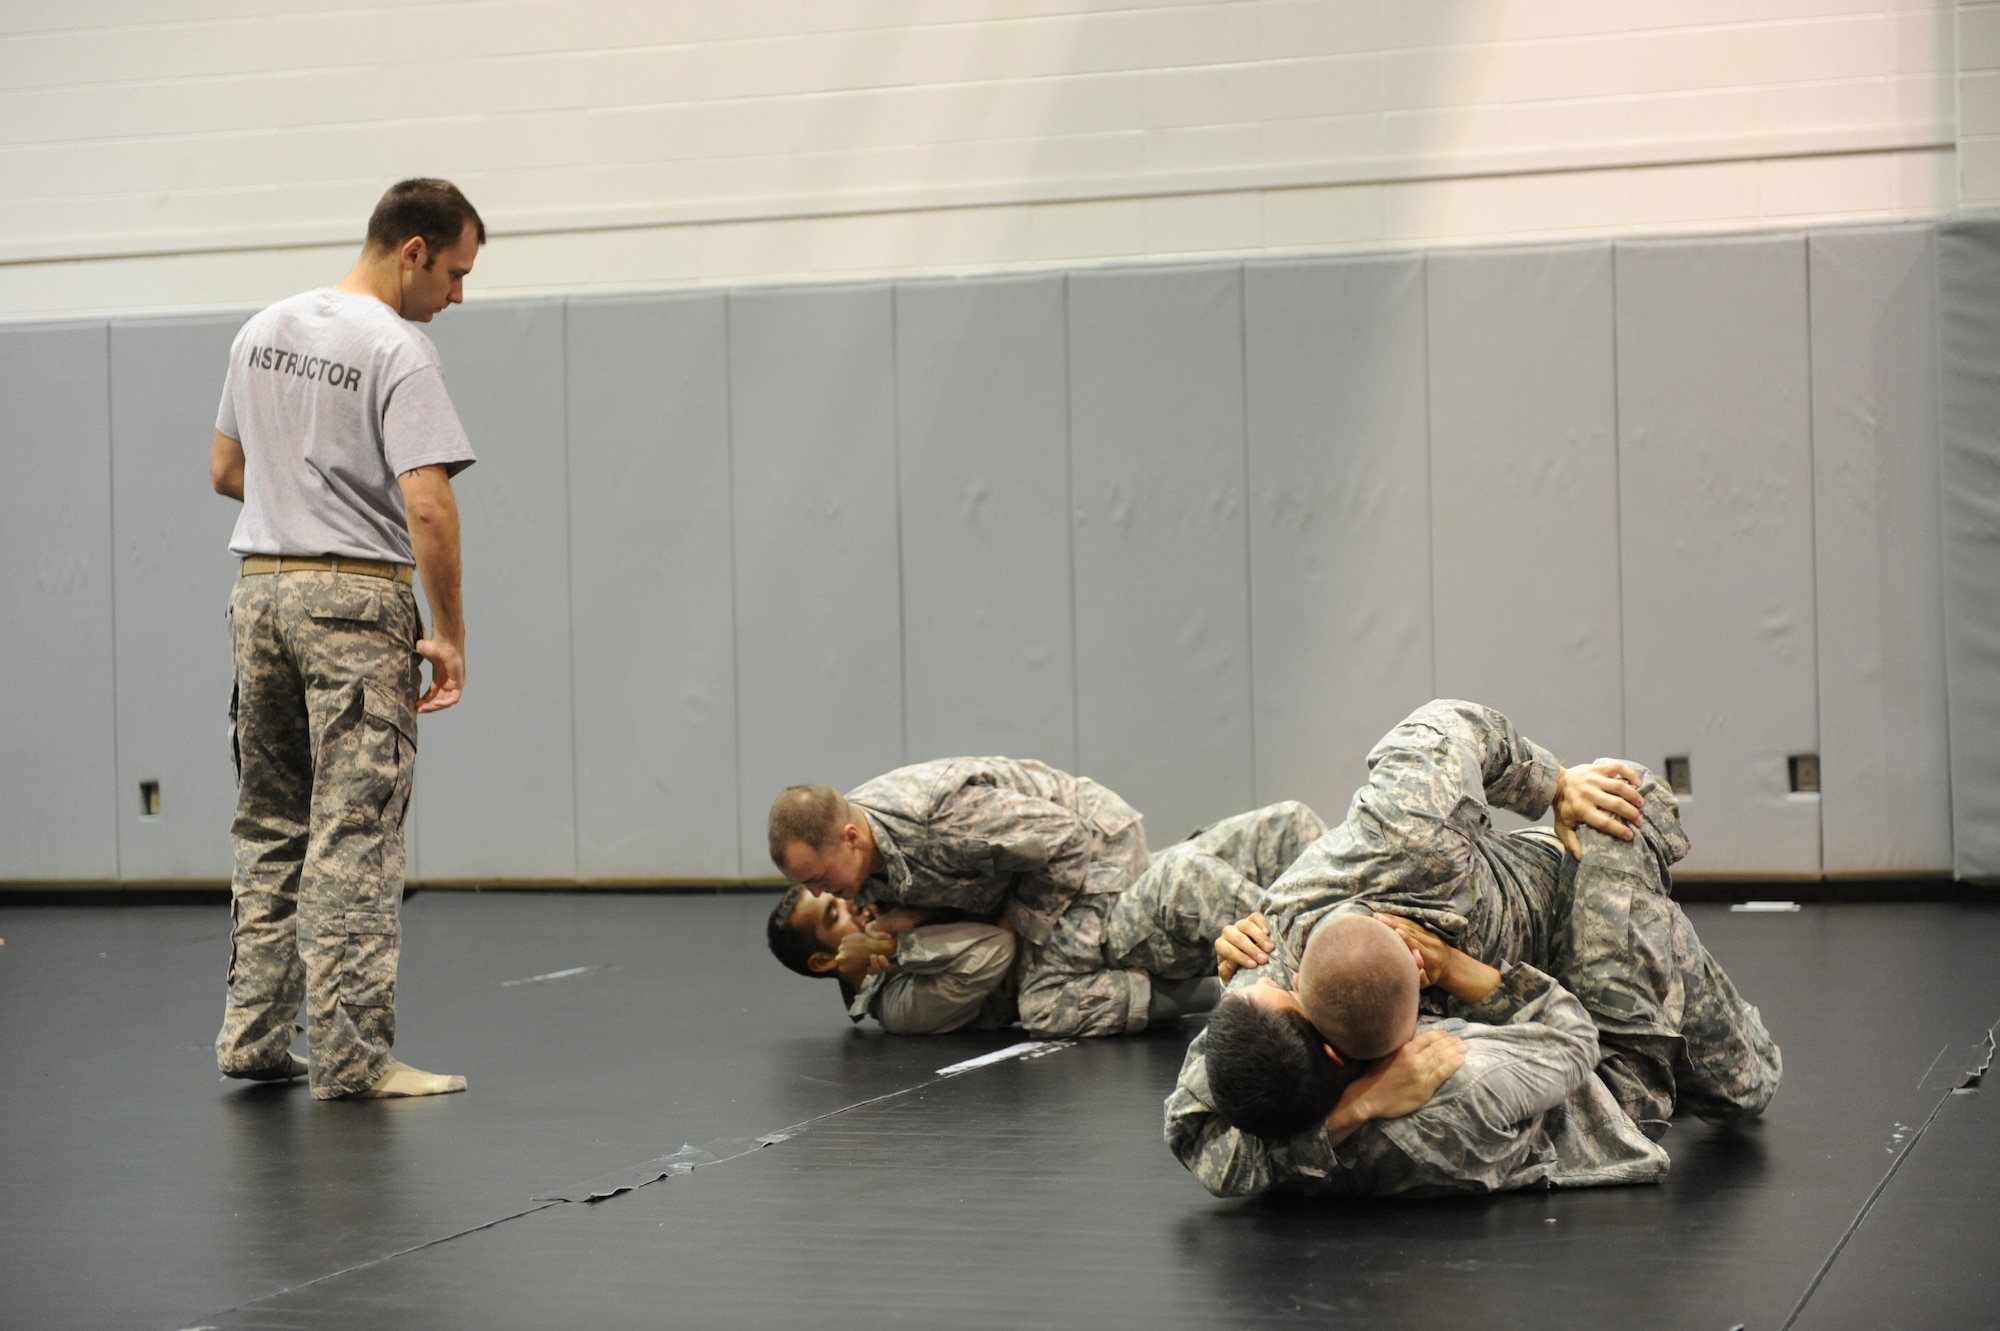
(917, 974)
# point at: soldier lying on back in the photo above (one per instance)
(1501, 1096)
(992, 837)
(1418, 842)
(916, 973)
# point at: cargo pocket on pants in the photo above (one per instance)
(392, 745)
(368, 962)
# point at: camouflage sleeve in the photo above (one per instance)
(1407, 843)
(1231, 1163)
(1514, 772)
(944, 975)
(1544, 1045)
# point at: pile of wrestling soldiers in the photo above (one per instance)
(1409, 1003)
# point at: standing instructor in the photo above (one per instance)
(336, 434)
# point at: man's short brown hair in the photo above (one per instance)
(421, 206)
(812, 815)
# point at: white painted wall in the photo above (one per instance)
(1978, 47)
(220, 153)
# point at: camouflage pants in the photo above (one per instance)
(1166, 924)
(1672, 1028)
(1065, 988)
(324, 732)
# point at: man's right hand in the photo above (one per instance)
(1404, 1082)
(861, 955)
(447, 674)
(1604, 795)
(1433, 954)
(1244, 945)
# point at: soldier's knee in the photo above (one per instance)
(1044, 1013)
(1660, 825)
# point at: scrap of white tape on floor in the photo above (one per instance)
(1025, 1049)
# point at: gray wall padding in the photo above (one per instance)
(650, 588)
(1340, 588)
(173, 572)
(1202, 532)
(1162, 576)
(983, 426)
(1524, 491)
(59, 806)
(819, 627)
(1884, 762)
(1715, 497)
(1969, 400)
(495, 775)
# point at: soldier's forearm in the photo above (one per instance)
(225, 466)
(433, 517)
(1467, 978)
(1348, 1117)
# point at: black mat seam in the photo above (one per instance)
(758, 1143)
(1970, 1078)
(205, 1323)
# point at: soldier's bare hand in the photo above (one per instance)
(447, 673)
(1405, 1081)
(1244, 945)
(1433, 954)
(1604, 795)
(896, 919)
(855, 959)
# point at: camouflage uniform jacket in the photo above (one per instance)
(1418, 841)
(1525, 1110)
(989, 836)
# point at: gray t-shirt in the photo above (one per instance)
(334, 396)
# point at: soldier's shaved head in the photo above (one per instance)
(810, 815)
(1358, 985)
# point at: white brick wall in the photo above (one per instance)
(169, 163)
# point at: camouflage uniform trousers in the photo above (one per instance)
(1166, 924)
(323, 727)
(1065, 989)
(1672, 1028)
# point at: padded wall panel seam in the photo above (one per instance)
(1884, 771)
(1716, 497)
(1337, 457)
(982, 426)
(495, 773)
(58, 787)
(819, 659)
(1162, 648)
(651, 590)
(1524, 491)
(172, 577)
(1969, 414)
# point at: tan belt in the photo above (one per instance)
(367, 568)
